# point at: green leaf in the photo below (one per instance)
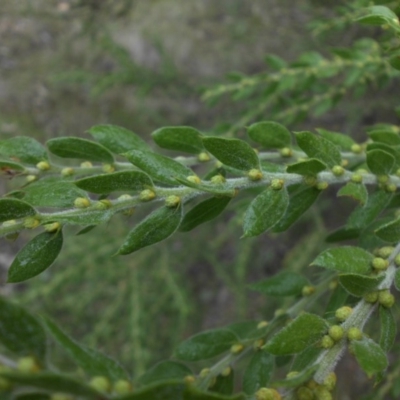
(356, 191)
(380, 162)
(344, 142)
(20, 332)
(159, 167)
(378, 15)
(247, 330)
(203, 212)
(32, 396)
(165, 371)
(306, 358)
(270, 134)
(52, 192)
(14, 209)
(224, 384)
(318, 147)
(117, 139)
(179, 138)
(397, 279)
(159, 225)
(358, 285)
(388, 328)
(297, 380)
(125, 181)
(9, 165)
(166, 390)
(286, 283)
(394, 61)
(53, 382)
(338, 299)
(347, 259)
(389, 232)
(220, 189)
(309, 167)
(299, 203)
(35, 256)
(259, 372)
(299, 334)
(24, 149)
(206, 345)
(385, 136)
(369, 355)
(194, 394)
(393, 150)
(343, 233)
(265, 211)
(74, 147)
(234, 153)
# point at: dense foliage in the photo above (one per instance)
(76, 183)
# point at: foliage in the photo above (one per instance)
(117, 173)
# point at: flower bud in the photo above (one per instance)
(147, 195)
(336, 332)
(286, 152)
(277, 184)
(327, 342)
(354, 333)
(103, 204)
(67, 171)
(338, 170)
(383, 179)
(124, 197)
(204, 372)
(380, 264)
(203, 157)
(343, 313)
(322, 185)
(122, 387)
(385, 251)
(108, 168)
(227, 371)
(356, 178)
(308, 290)
(237, 348)
(371, 297)
(304, 393)
(255, 174)
(218, 179)
(52, 227)
(356, 148)
(267, 394)
(81, 202)
(391, 188)
(172, 201)
(31, 222)
(386, 299)
(194, 179)
(330, 381)
(86, 164)
(262, 324)
(43, 166)
(27, 365)
(31, 178)
(100, 383)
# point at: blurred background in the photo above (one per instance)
(68, 65)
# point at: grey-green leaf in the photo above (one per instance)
(11, 166)
(258, 372)
(179, 138)
(388, 328)
(378, 15)
(301, 333)
(36, 256)
(83, 149)
(203, 212)
(358, 285)
(125, 181)
(339, 139)
(308, 167)
(270, 134)
(160, 168)
(205, 345)
(159, 225)
(117, 139)
(164, 371)
(265, 211)
(286, 283)
(389, 232)
(318, 147)
(380, 162)
(346, 259)
(20, 332)
(234, 153)
(14, 209)
(357, 191)
(91, 361)
(24, 149)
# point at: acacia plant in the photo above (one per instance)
(291, 356)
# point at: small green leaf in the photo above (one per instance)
(389, 232)
(338, 299)
(343, 233)
(286, 283)
(388, 328)
(270, 134)
(309, 167)
(378, 15)
(297, 380)
(91, 361)
(394, 61)
(203, 212)
(117, 139)
(299, 203)
(346, 259)
(265, 211)
(125, 181)
(385, 136)
(54, 383)
(356, 191)
(301, 333)
(20, 332)
(10, 165)
(306, 358)
(35, 256)
(224, 384)
(369, 355)
(165, 371)
(166, 390)
(159, 225)
(318, 147)
(14, 209)
(179, 138)
(234, 153)
(393, 150)
(24, 149)
(259, 372)
(74, 147)
(344, 142)
(206, 345)
(397, 280)
(247, 330)
(159, 167)
(379, 162)
(358, 285)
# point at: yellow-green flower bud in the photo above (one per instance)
(308, 290)
(262, 324)
(386, 299)
(385, 251)
(217, 179)
(189, 379)
(336, 332)
(277, 184)
(203, 157)
(311, 384)
(86, 164)
(108, 168)
(292, 374)
(333, 285)
(227, 371)
(10, 222)
(255, 174)
(356, 148)
(391, 188)
(103, 204)
(330, 381)
(310, 180)
(147, 195)
(172, 201)
(343, 313)
(383, 179)
(194, 179)
(327, 342)
(258, 344)
(371, 297)
(322, 185)
(204, 372)
(267, 394)
(31, 178)
(53, 227)
(122, 387)
(27, 365)
(321, 393)
(362, 171)
(237, 348)
(67, 171)
(304, 393)
(338, 170)
(280, 311)
(81, 202)
(356, 178)
(354, 333)
(380, 264)
(31, 223)
(43, 166)
(286, 152)
(129, 212)
(344, 163)
(100, 383)
(124, 197)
